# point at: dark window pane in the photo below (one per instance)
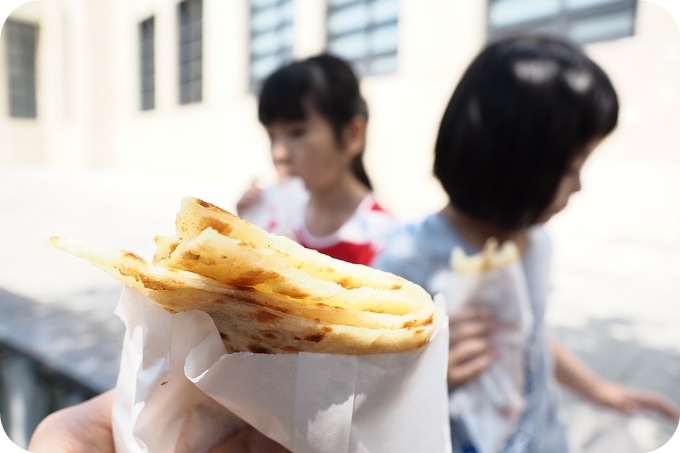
(21, 39)
(581, 21)
(190, 50)
(271, 37)
(365, 33)
(146, 63)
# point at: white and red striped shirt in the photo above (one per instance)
(359, 240)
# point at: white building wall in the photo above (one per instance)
(89, 111)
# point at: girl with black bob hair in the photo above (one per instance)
(524, 110)
(316, 119)
(512, 142)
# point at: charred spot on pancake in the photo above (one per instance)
(255, 277)
(192, 256)
(150, 282)
(258, 349)
(294, 293)
(133, 256)
(348, 283)
(418, 323)
(212, 207)
(266, 317)
(163, 383)
(269, 334)
(221, 227)
(314, 337)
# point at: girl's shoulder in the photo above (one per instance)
(417, 249)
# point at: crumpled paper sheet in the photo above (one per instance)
(492, 404)
(178, 391)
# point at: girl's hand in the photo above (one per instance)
(631, 401)
(249, 198)
(249, 440)
(470, 346)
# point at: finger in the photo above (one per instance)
(234, 444)
(468, 350)
(259, 443)
(471, 329)
(660, 404)
(470, 369)
(470, 313)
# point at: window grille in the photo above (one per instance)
(21, 39)
(146, 64)
(581, 21)
(365, 33)
(190, 13)
(271, 38)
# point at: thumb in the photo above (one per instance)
(259, 443)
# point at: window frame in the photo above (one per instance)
(559, 23)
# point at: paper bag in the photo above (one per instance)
(492, 404)
(179, 392)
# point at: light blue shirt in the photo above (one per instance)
(420, 252)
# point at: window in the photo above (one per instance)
(146, 64)
(271, 38)
(365, 33)
(582, 21)
(21, 39)
(190, 14)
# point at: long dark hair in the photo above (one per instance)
(326, 81)
(523, 111)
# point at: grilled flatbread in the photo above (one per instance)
(268, 294)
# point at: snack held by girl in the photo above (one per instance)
(316, 120)
(520, 125)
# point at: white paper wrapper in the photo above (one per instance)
(281, 204)
(492, 404)
(179, 392)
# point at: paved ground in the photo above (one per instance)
(617, 287)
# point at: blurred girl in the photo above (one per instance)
(519, 127)
(316, 120)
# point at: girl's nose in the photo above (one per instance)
(280, 152)
(281, 157)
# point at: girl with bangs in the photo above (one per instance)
(316, 120)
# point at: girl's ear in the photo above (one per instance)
(355, 135)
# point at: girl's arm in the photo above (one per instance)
(575, 375)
